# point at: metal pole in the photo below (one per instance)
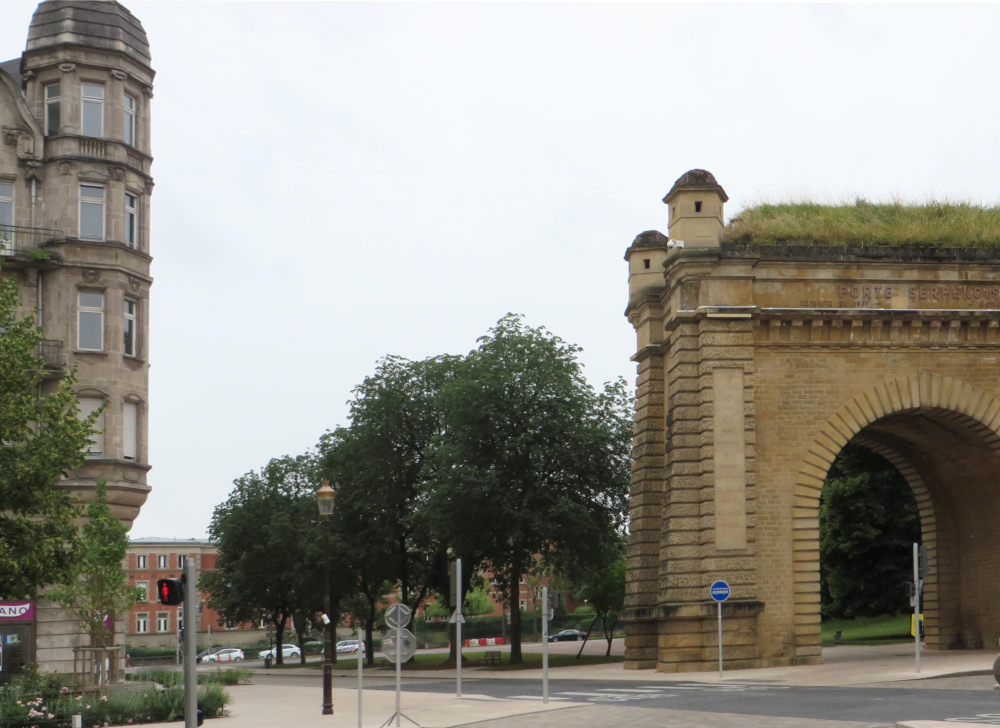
(360, 653)
(545, 644)
(328, 636)
(190, 647)
(458, 627)
(720, 637)
(399, 660)
(916, 602)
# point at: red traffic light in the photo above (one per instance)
(170, 591)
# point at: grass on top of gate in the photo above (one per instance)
(893, 223)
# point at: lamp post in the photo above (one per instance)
(324, 498)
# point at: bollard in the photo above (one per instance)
(267, 662)
(76, 721)
(838, 637)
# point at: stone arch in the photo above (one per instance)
(950, 400)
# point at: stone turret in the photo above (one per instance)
(696, 217)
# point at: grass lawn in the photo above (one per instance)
(434, 660)
(869, 631)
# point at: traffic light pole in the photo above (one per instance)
(545, 644)
(190, 646)
(916, 601)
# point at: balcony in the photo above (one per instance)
(17, 241)
(50, 351)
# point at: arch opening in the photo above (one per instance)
(950, 461)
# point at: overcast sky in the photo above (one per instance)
(338, 181)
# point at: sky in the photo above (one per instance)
(340, 181)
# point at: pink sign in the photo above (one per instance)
(17, 611)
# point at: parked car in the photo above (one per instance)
(286, 651)
(230, 654)
(349, 647)
(200, 657)
(567, 635)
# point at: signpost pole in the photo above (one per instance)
(399, 661)
(458, 627)
(916, 602)
(190, 647)
(545, 644)
(361, 662)
(719, 605)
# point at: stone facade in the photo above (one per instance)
(74, 220)
(894, 349)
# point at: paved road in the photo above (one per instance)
(866, 705)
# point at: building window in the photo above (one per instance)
(131, 412)
(91, 212)
(161, 562)
(92, 112)
(130, 331)
(163, 622)
(523, 603)
(180, 619)
(87, 407)
(52, 104)
(90, 321)
(128, 119)
(6, 217)
(143, 587)
(181, 561)
(140, 561)
(131, 220)
(142, 623)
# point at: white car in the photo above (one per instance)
(227, 655)
(286, 651)
(349, 647)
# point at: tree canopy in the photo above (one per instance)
(42, 439)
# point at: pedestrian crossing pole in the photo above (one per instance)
(545, 644)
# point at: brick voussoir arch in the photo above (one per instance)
(957, 399)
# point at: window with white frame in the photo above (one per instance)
(143, 587)
(523, 603)
(92, 110)
(128, 119)
(87, 407)
(129, 431)
(161, 561)
(141, 561)
(181, 561)
(53, 103)
(90, 321)
(180, 619)
(6, 217)
(142, 623)
(131, 220)
(92, 215)
(130, 327)
(163, 621)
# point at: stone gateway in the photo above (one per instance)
(756, 365)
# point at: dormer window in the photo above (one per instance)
(92, 110)
(53, 102)
(697, 206)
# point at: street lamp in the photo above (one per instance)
(324, 499)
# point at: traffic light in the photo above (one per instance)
(170, 591)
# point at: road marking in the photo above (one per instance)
(534, 697)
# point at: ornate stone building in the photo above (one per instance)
(757, 364)
(74, 229)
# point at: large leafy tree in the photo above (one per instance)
(270, 563)
(381, 465)
(41, 438)
(536, 462)
(604, 590)
(868, 523)
(97, 593)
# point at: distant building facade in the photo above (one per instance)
(75, 159)
(151, 624)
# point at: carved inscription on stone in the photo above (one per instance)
(730, 459)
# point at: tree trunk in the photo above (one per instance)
(279, 638)
(515, 616)
(610, 635)
(302, 643)
(591, 629)
(370, 634)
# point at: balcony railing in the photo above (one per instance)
(51, 351)
(15, 239)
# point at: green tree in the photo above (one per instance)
(270, 564)
(42, 438)
(97, 593)
(868, 523)
(604, 590)
(536, 462)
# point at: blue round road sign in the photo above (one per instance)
(719, 591)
